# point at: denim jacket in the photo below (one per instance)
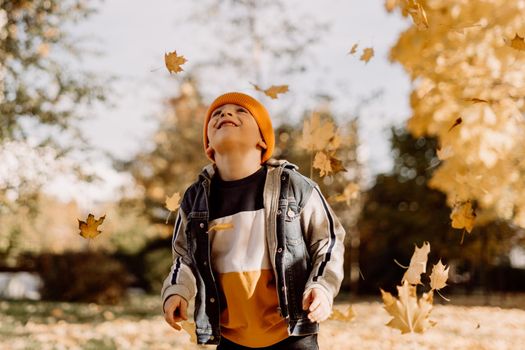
(305, 244)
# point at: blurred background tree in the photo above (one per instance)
(401, 210)
(40, 96)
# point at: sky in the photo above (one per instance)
(133, 38)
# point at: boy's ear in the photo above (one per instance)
(262, 144)
(209, 152)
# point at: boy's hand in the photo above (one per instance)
(316, 301)
(175, 310)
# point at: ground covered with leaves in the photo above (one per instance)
(479, 323)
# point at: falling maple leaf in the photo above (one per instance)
(418, 264)
(345, 316)
(88, 228)
(189, 327)
(463, 216)
(273, 90)
(172, 203)
(517, 43)
(317, 135)
(409, 314)
(327, 164)
(439, 276)
(367, 55)
(350, 192)
(174, 62)
(353, 49)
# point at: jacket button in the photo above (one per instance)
(280, 250)
(205, 263)
(212, 337)
(290, 213)
(283, 177)
(201, 225)
(212, 300)
(278, 211)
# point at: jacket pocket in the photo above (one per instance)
(292, 226)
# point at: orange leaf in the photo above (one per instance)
(353, 49)
(367, 55)
(517, 43)
(172, 203)
(273, 90)
(88, 229)
(174, 62)
(463, 216)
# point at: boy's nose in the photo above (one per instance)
(226, 113)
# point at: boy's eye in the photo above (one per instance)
(242, 110)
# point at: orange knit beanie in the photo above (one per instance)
(258, 111)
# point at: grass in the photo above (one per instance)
(473, 322)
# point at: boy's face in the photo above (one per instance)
(232, 127)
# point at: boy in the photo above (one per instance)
(255, 241)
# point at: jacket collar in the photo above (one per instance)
(211, 168)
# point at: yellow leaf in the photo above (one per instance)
(273, 90)
(367, 55)
(350, 192)
(439, 276)
(418, 264)
(463, 216)
(353, 49)
(409, 314)
(327, 164)
(223, 226)
(345, 316)
(189, 327)
(172, 203)
(174, 62)
(517, 43)
(322, 162)
(88, 228)
(317, 135)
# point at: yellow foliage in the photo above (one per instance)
(467, 69)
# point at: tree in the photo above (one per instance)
(402, 210)
(176, 157)
(465, 59)
(39, 96)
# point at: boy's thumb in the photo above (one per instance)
(183, 307)
(306, 299)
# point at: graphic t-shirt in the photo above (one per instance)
(241, 262)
